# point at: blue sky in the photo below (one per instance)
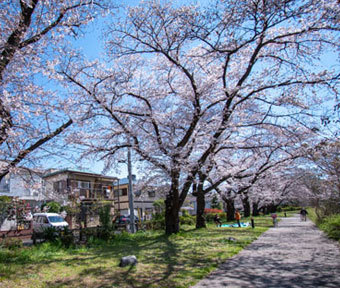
(91, 44)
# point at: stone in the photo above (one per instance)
(130, 260)
(232, 239)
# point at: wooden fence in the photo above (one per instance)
(24, 230)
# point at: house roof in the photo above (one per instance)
(80, 173)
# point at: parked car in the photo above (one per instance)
(42, 221)
(125, 219)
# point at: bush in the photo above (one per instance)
(105, 231)
(187, 219)
(289, 208)
(50, 234)
(158, 221)
(11, 243)
(159, 206)
(212, 211)
(331, 225)
(209, 217)
(66, 238)
(71, 210)
(53, 207)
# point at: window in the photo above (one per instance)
(106, 191)
(58, 186)
(152, 193)
(83, 184)
(4, 184)
(121, 192)
(55, 219)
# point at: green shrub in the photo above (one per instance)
(159, 206)
(67, 238)
(53, 207)
(209, 217)
(187, 220)
(105, 231)
(11, 243)
(50, 234)
(158, 221)
(331, 225)
(71, 209)
(289, 208)
(105, 218)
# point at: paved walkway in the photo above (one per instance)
(294, 254)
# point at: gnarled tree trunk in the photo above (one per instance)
(171, 215)
(172, 206)
(200, 220)
(256, 211)
(230, 209)
(246, 206)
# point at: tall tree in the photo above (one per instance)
(186, 76)
(33, 36)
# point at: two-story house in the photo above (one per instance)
(82, 185)
(70, 187)
(143, 199)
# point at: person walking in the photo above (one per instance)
(303, 214)
(217, 220)
(238, 217)
(274, 217)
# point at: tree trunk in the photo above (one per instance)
(271, 208)
(230, 209)
(171, 218)
(172, 207)
(200, 199)
(266, 209)
(256, 211)
(246, 206)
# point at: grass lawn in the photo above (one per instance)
(330, 225)
(176, 261)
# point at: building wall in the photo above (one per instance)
(49, 190)
(23, 185)
(143, 202)
(121, 201)
(69, 186)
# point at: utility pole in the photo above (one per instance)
(132, 210)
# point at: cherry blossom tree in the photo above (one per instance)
(275, 187)
(321, 174)
(241, 161)
(326, 156)
(184, 80)
(34, 35)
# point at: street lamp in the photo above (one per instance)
(130, 192)
(132, 210)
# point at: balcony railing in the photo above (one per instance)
(92, 193)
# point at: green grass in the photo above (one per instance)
(312, 215)
(176, 261)
(330, 224)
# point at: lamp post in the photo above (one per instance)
(132, 210)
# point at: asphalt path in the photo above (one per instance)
(294, 254)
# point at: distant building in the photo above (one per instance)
(66, 184)
(24, 184)
(143, 199)
(70, 187)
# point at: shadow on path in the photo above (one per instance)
(294, 254)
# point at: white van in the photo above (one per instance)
(42, 221)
